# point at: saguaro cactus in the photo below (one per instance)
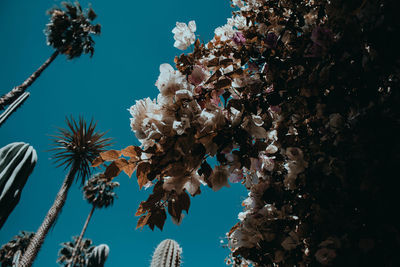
(167, 254)
(98, 256)
(17, 161)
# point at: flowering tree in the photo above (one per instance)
(299, 102)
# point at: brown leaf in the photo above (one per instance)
(127, 166)
(121, 163)
(143, 220)
(174, 210)
(197, 43)
(223, 83)
(177, 204)
(143, 169)
(219, 178)
(235, 74)
(236, 103)
(157, 218)
(112, 171)
(110, 155)
(132, 152)
(140, 210)
(97, 162)
(129, 169)
(214, 77)
(205, 169)
(213, 62)
(226, 62)
(184, 201)
(154, 198)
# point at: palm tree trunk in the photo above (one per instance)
(38, 239)
(18, 90)
(71, 264)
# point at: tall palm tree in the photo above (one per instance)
(76, 147)
(68, 32)
(98, 191)
(10, 252)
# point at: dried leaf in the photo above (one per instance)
(154, 199)
(143, 169)
(110, 155)
(226, 62)
(214, 77)
(213, 62)
(97, 162)
(197, 43)
(219, 178)
(140, 210)
(132, 152)
(157, 218)
(143, 220)
(205, 169)
(223, 83)
(121, 163)
(177, 204)
(112, 171)
(184, 201)
(174, 210)
(235, 74)
(129, 169)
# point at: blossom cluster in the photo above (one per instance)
(297, 101)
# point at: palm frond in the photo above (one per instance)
(99, 191)
(69, 30)
(78, 145)
(83, 252)
(19, 243)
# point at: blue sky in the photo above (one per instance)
(136, 38)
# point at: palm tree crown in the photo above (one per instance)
(69, 31)
(83, 252)
(78, 146)
(99, 191)
(19, 243)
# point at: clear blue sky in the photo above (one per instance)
(136, 38)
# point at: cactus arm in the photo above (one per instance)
(17, 161)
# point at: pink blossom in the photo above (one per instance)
(198, 75)
(236, 176)
(276, 109)
(238, 38)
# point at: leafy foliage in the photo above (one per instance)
(69, 31)
(78, 146)
(298, 101)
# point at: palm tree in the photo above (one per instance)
(10, 252)
(76, 147)
(83, 251)
(98, 191)
(68, 32)
(86, 255)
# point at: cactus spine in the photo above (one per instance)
(17, 161)
(167, 254)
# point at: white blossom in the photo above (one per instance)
(169, 81)
(225, 32)
(184, 34)
(239, 22)
(146, 120)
